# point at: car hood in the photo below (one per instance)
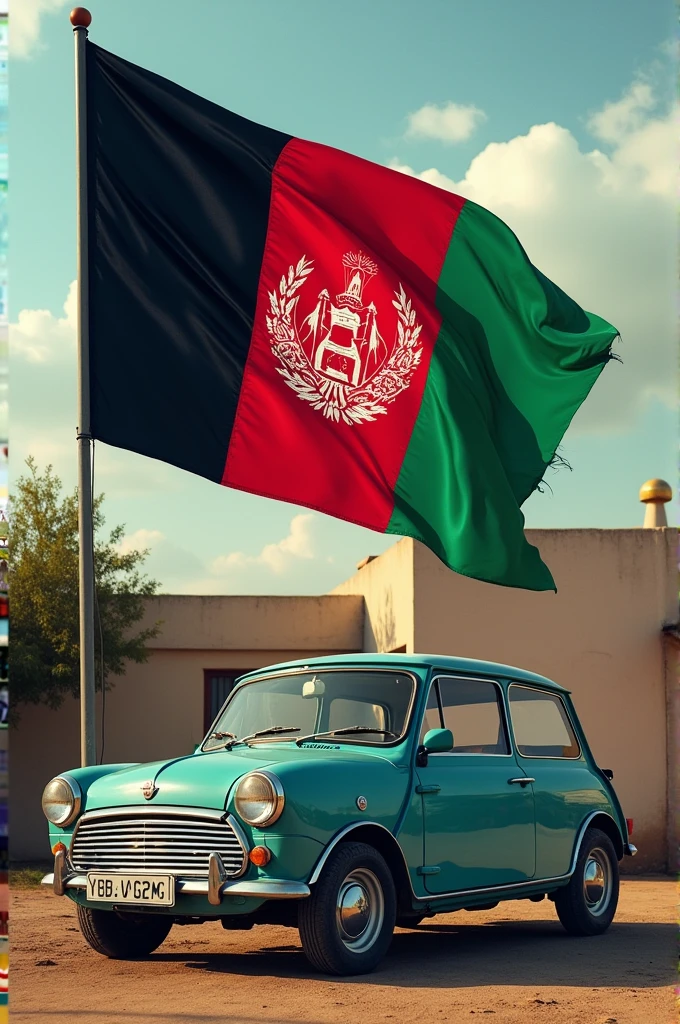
(205, 779)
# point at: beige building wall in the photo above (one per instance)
(387, 586)
(155, 710)
(600, 636)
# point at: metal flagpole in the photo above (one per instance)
(81, 19)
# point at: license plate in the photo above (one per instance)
(110, 887)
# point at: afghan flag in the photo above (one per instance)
(293, 321)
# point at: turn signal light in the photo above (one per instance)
(57, 847)
(260, 855)
(629, 826)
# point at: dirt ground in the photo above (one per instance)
(515, 962)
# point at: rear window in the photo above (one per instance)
(541, 724)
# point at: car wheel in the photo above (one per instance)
(346, 924)
(587, 905)
(123, 936)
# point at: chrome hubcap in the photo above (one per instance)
(360, 910)
(597, 881)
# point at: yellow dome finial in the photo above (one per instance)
(654, 494)
(656, 490)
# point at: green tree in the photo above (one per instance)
(43, 546)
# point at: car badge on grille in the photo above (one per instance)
(148, 789)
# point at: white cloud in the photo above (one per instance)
(602, 226)
(616, 120)
(236, 572)
(450, 122)
(174, 566)
(276, 557)
(40, 337)
(24, 35)
(140, 540)
(43, 372)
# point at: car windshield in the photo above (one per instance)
(289, 708)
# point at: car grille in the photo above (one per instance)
(174, 843)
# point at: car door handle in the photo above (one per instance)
(524, 781)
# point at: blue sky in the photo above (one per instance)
(554, 116)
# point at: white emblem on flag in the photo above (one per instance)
(337, 357)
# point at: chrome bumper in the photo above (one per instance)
(271, 889)
(215, 886)
(630, 850)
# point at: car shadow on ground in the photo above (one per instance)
(461, 955)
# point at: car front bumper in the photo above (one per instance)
(214, 887)
(271, 889)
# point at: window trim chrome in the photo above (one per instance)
(543, 757)
(331, 668)
(503, 715)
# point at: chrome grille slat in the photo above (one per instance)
(155, 825)
(134, 841)
(185, 858)
(150, 838)
(134, 857)
(180, 844)
(158, 832)
(185, 855)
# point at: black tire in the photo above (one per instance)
(123, 936)
(587, 905)
(356, 877)
(410, 922)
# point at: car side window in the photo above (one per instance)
(541, 724)
(472, 710)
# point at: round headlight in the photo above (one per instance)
(61, 800)
(259, 798)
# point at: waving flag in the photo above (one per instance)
(290, 320)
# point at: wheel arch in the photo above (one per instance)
(605, 822)
(381, 839)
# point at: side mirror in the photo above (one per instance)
(438, 741)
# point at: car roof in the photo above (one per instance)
(467, 666)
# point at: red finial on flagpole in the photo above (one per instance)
(80, 17)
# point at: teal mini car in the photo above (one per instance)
(344, 796)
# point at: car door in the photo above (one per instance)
(478, 824)
(564, 789)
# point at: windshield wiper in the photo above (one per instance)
(272, 731)
(228, 736)
(232, 740)
(344, 732)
